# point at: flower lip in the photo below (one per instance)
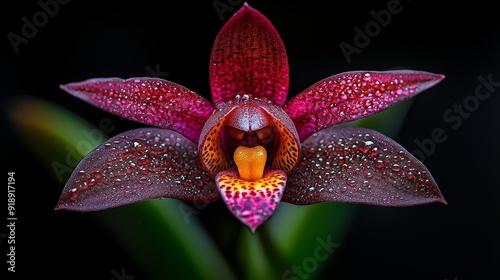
(250, 162)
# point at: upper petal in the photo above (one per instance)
(249, 57)
(358, 165)
(353, 95)
(151, 101)
(138, 165)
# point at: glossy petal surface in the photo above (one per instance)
(249, 57)
(251, 202)
(358, 165)
(151, 101)
(354, 95)
(138, 165)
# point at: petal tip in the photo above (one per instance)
(439, 77)
(61, 206)
(252, 203)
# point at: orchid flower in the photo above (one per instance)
(251, 146)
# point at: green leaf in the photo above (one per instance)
(254, 256)
(157, 233)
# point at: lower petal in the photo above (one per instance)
(252, 202)
(137, 165)
(359, 165)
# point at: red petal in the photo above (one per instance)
(251, 202)
(357, 165)
(249, 57)
(151, 101)
(138, 165)
(353, 95)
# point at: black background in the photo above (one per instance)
(87, 39)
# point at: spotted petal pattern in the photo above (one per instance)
(249, 57)
(353, 95)
(151, 101)
(138, 165)
(358, 165)
(251, 202)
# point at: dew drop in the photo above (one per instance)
(351, 183)
(396, 168)
(220, 104)
(379, 164)
(246, 97)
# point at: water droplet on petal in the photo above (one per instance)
(220, 104)
(396, 168)
(379, 164)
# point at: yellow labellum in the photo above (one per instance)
(250, 162)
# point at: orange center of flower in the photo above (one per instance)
(250, 162)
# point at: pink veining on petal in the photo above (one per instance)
(138, 165)
(353, 95)
(151, 101)
(358, 165)
(249, 57)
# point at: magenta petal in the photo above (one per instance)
(151, 101)
(353, 95)
(138, 165)
(249, 57)
(358, 165)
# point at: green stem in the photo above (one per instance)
(270, 250)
